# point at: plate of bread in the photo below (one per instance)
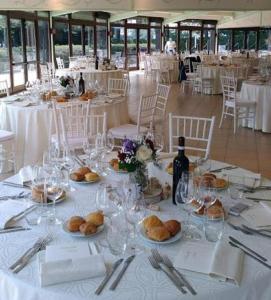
(210, 180)
(156, 231)
(84, 175)
(215, 210)
(87, 226)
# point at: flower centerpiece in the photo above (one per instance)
(66, 81)
(133, 157)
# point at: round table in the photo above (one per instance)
(261, 93)
(32, 126)
(91, 75)
(140, 281)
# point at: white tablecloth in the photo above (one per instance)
(91, 75)
(32, 126)
(140, 281)
(214, 73)
(262, 95)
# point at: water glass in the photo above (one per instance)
(214, 224)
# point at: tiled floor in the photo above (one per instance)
(248, 149)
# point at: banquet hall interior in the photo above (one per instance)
(136, 131)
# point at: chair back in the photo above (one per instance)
(95, 124)
(229, 89)
(4, 87)
(198, 133)
(118, 86)
(44, 72)
(60, 63)
(146, 111)
(162, 92)
(195, 65)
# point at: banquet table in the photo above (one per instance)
(32, 125)
(140, 281)
(91, 75)
(261, 93)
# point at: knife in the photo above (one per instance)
(249, 254)
(23, 213)
(18, 185)
(224, 168)
(124, 268)
(256, 199)
(244, 246)
(13, 229)
(256, 231)
(108, 276)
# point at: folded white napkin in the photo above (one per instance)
(26, 174)
(9, 209)
(258, 216)
(66, 270)
(23, 103)
(246, 178)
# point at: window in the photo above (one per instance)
(61, 41)
(191, 23)
(89, 40)
(224, 40)
(77, 45)
(239, 40)
(138, 20)
(101, 41)
(155, 39)
(117, 42)
(171, 33)
(4, 56)
(208, 40)
(31, 50)
(43, 27)
(184, 41)
(195, 41)
(265, 39)
(252, 40)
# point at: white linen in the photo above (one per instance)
(220, 261)
(9, 209)
(141, 281)
(214, 73)
(258, 216)
(262, 95)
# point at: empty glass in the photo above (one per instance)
(214, 224)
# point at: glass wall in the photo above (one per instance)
(101, 37)
(44, 45)
(265, 39)
(117, 42)
(132, 48)
(89, 40)
(155, 39)
(31, 51)
(171, 33)
(195, 41)
(61, 41)
(238, 40)
(77, 45)
(184, 40)
(4, 55)
(208, 40)
(224, 40)
(251, 40)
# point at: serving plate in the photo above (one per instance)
(79, 234)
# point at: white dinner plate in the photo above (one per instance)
(169, 241)
(79, 234)
(59, 200)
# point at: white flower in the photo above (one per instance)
(143, 153)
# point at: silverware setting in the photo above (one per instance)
(14, 229)
(236, 227)
(251, 255)
(40, 244)
(121, 273)
(164, 263)
(108, 276)
(23, 213)
(21, 195)
(251, 190)
(236, 242)
(262, 232)
(224, 168)
(257, 199)
(17, 185)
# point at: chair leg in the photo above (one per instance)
(222, 117)
(235, 118)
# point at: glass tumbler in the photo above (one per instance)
(214, 223)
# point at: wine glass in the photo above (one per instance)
(184, 197)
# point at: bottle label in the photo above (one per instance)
(180, 148)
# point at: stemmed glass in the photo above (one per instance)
(184, 197)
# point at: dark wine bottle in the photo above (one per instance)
(81, 85)
(180, 165)
(97, 63)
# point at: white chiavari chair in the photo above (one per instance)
(234, 106)
(117, 86)
(60, 63)
(4, 88)
(202, 84)
(162, 92)
(197, 131)
(145, 120)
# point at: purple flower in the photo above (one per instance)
(129, 146)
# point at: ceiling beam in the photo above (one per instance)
(181, 17)
(237, 16)
(61, 13)
(121, 16)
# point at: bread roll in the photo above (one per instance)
(74, 223)
(77, 176)
(172, 226)
(215, 212)
(91, 176)
(96, 218)
(152, 221)
(88, 228)
(83, 170)
(158, 233)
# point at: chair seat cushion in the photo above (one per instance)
(127, 131)
(6, 135)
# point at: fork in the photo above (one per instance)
(26, 259)
(155, 265)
